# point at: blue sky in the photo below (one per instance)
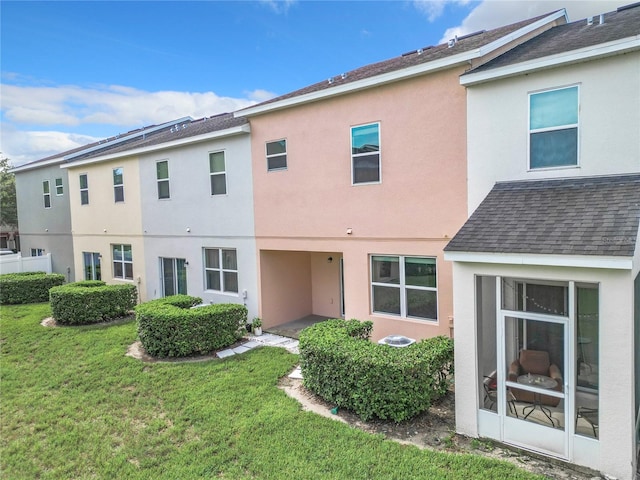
(74, 72)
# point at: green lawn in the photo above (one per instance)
(73, 406)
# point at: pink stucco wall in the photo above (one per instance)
(418, 206)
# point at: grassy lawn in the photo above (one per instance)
(73, 406)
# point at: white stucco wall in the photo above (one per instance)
(609, 123)
(213, 221)
(616, 388)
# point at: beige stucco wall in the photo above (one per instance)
(418, 206)
(103, 222)
(616, 430)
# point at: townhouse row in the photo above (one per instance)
(489, 185)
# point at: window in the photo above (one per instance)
(122, 262)
(553, 128)
(59, 188)
(91, 266)
(221, 270)
(84, 189)
(46, 193)
(404, 286)
(118, 184)
(365, 154)
(162, 174)
(37, 252)
(277, 155)
(217, 173)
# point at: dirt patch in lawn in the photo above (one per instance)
(435, 429)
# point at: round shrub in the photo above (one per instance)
(172, 327)
(91, 301)
(341, 365)
(27, 287)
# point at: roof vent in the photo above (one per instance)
(452, 42)
(419, 51)
(330, 80)
(590, 21)
(343, 76)
(601, 18)
(398, 341)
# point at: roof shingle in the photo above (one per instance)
(623, 23)
(569, 216)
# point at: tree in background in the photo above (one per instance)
(8, 205)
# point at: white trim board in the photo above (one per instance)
(581, 261)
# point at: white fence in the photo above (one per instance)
(17, 263)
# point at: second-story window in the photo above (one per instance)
(365, 154)
(217, 173)
(46, 193)
(277, 155)
(553, 128)
(59, 187)
(118, 184)
(84, 189)
(162, 174)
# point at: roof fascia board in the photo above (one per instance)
(228, 132)
(587, 53)
(428, 67)
(126, 138)
(577, 261)
(382, 79)
(34, 166)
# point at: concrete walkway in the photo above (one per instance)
(268, 339)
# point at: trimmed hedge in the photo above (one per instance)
(169, 327)
(91, 301)
(341, 365)
(27, 287)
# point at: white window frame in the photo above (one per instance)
(276, 155)
(37, 252)
(83, 190)
(403, 287)
(46, 193)
(221, 270)
(531, 131)
(356, 155)
(118, 186)
(59, 188)
(123, 262)
(163, 180)
(94, 261)
(222, 173)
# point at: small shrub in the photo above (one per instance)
(341, 365)
(170, 327)
(27, 287)
(91, 301)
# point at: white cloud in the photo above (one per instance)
(28, 108)
(22, 146)
(279, 6)
(494, 13)
(435, 8)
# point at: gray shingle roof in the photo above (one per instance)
(171, 134)
(569, 216)
(191, 128)
(464, 44)
(623, 23)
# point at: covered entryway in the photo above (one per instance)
(298, 288)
